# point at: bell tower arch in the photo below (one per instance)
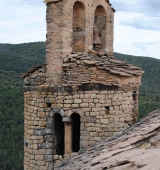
(79, 26)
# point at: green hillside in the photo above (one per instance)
(16, 60)
(20, 57)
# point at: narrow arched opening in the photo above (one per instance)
(59, 134)
(75, 120)
(79, 22)
(100, 20)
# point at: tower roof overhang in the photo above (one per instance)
(47, 1)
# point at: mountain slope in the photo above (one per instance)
(20, 57)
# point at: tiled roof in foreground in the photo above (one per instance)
(135, 148)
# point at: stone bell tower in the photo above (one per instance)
(70, 29)
(82, 95)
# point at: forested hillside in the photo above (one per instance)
(16, 60)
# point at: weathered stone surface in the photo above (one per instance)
(48, 132)
(77, 101)
(45, 145)
(154, 139)
(61, 112)
(48, 158)
(39, 132)
(50, 166)
(46, 1)
(49, 152)
(49, 138)
(66, 119)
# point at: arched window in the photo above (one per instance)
(79, 22)
(59, 134)
(100, 21)
(75, 120)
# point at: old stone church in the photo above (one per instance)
(82, 95)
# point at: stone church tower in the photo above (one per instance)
(82, 95)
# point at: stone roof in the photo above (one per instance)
(81, 68)
(136, 147)
(32, 70)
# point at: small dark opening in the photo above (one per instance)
(49, 104)
(59, 134)
(134, 95)
(107, 110)
(26, 144)
(75, 119)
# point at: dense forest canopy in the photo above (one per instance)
(16, 60)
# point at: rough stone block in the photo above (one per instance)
(48, 131)
(93, 134)
(102, 101)
(66, 119)
(40, 152)
(48, 151)
(51, 166)
(78, 101)
(61, 112)
(102, 97)
(96, 109)
(39, 132)
(66, 156)
(56, 157)
(87, 96)
(91, 105)
(98, 139)
(104, 126)
(68, 101)
(48, 158)
(84, 104)
(93, 96)
(35, 146)
(69, 97)
(87, 100)
(85, 138)
(50, 100)
(42, 123)
(91, 129)
(59, 101)
(96, 100)
(94, 113)
(49, 138)
(104, 121)
(75, 105)
(83, 144)
(67, 105)
(38, 157)
(45, 145)
(89, 124)
(86, 109)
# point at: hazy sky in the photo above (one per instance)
(137, 24)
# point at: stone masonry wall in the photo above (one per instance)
(97, 122)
